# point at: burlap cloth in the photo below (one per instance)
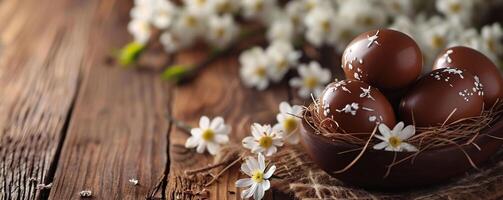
(300, 177)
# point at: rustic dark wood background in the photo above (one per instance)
(71, 120)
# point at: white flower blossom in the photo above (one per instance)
(399, 7)
(394, 140)
(310, 5)
(312, 79)
(296, 11)
(222, 30)
(491, 39)
(164, 14)
(143, 10)
(140, 29)
(259, 175)
(201, 7)
(282, 56)
(254, 63)
(174, 40)
(289, 120)
(224, 6)
(263, 140)
(209, 135)
(459, 10)
(281, 29)
(190, 24)
(258, 9)
(361, 14)
(321, 26)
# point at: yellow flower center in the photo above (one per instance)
(259, 6)
(310, 82)
(325, 25)
(265, 141)
(367, 21)
(394, 141)
(455, 7)
(224, 7)
(258, 176)
(191, 21)
(282, 64)
(220, 32)
(201, 2)
(437, 41)
(290, 124)
(208, 135)
(260, 71)
(491, 45)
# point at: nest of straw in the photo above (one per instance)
(460, 132)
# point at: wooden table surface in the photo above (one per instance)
(71, 120)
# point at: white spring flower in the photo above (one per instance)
(289, 120)
(362, 15)
(190, 23)
(296, 11)
(222, 30)
(143, 10)
(259, 175)
(258, 9)
(460, 10)
(310, 5)
(209, 135)
(394, 140)
(263, 140)
(281, 29)
(164, 14)
(254, 63)
(399, 7)
(491, 38)
(282, 56)
(404, 24)
(202, 7)
(140, 29)
(224, 6)
(174, 40)
(321, 26)
(312, 79)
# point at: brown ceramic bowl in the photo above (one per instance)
(429, 167)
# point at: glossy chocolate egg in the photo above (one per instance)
(443, 95)
(356, 107)
(477, 64)
(383, 58)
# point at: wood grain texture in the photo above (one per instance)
(40, 68)
(217, 91)
(118, 129)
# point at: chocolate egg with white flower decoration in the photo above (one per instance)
(477, 64)
(354, 107)
(384, 58)
(441, 97)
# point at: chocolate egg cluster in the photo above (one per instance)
(384, 85)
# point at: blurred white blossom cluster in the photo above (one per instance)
(434, 24)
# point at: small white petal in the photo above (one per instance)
(381, 145)
(213, 148)
(409, 147)
(261, 162)
(384, 130)
(271, 150)
(284, 107)
(266, 185)
(249, 192)
(221, 139)
(216, 123)
(398, 128)
(259, 193)
(407, 132)
(191, 142)
(196, 132)
(204, 122)
(270, 172)
(201, 147)
(244, 182)
(246, 169)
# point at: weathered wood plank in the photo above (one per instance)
(118, 129)
(40, 65)
(217, 91)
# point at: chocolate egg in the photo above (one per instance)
(355, 106)
(477, 64)
(442, 96)
(386, 59)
